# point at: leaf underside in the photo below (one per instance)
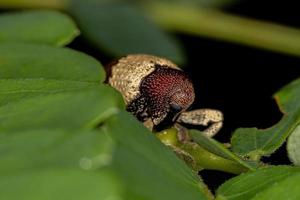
(44, 27)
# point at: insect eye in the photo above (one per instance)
(175, 107)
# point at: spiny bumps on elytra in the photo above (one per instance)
(152, 87)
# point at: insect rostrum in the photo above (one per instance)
(155, 90)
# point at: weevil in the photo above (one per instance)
(158, 93)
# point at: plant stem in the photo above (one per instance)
(208, 160)
(216, 24)
(201, 158)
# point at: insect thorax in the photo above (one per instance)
(128, 73)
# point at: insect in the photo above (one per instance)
(159, 93)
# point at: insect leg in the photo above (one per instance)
(205, 117)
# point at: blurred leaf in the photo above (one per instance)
(120, 29)
(266, 183)
(60, 184)
(149, 169)
(47, 27)
(216, 24)
(293, 145)
(29, 61)
(42, 149)
(47, 164)
(203, 3)
(219, 149)
(21, 4)
(62, 4)
(256, 143)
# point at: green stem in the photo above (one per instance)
(216, 24)
(201, 158)
(208, 160)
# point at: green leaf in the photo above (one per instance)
(60, 184)
(255, 143)
(82, 109)
(60, 164)
(120, 29)
(50, 85)
(267, 183)
(20, 89)
(287, 189)
(53, 114)
(42, 149)
(219, 149)
(293, 145)
(46, 27)
(149, 169)
(29, 61)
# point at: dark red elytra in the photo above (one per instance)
(167, 89)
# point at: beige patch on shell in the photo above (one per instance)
(128, 73)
